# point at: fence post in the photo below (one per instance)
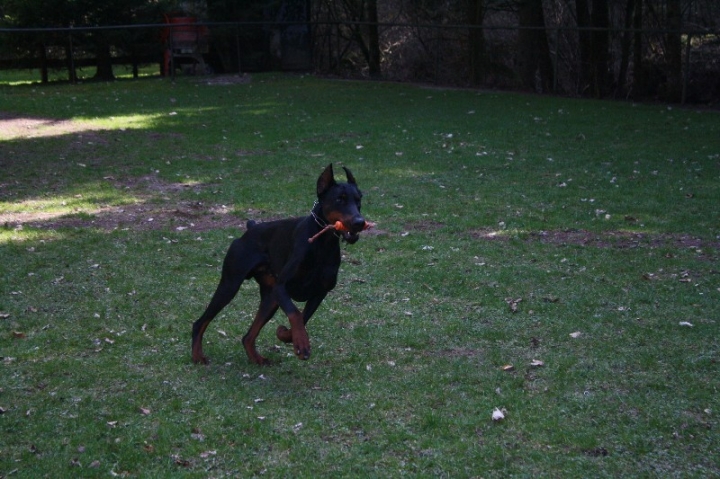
(686, 75)
(172, 52)
(71, 74)
(555, 62)
(237, 48)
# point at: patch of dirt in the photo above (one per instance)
(607, 239)
(157, 208)
(13, 127)
(144, 217)
(423, 225)
(226, 79)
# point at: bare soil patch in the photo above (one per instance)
(157, 208)
(608, 239)
(14, 126)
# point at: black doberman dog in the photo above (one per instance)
(290, 259)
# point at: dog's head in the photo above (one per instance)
(341, 202)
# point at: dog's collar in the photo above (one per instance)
(318, 220)
(321, 221)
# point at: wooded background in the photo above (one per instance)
(641, 49)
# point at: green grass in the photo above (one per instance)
(602, 217)
(31, 76)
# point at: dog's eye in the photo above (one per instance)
(341, 199)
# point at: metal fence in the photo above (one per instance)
(427, 53)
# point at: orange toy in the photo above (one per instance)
(339, 226)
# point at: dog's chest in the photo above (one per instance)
(317, 275)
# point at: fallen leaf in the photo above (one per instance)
(498, 415)
(536, 363)
(144, 411)
(4, 315)
(685, 323)
(508, 368)
(207, 454)
(576, 334)
(18, 335)
(513, 303)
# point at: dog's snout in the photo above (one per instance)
(358, 223)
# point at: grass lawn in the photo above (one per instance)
(555, 259)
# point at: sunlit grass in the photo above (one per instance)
(88, 199)
(32, 76)
(20, 235)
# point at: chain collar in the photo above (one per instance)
(320, 222)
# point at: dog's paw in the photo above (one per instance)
(301, 344)
(261, 360)
(302, 352)
(284, 334)
(201, 359)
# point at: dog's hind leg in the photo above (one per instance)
(235, 270)
(226, 291)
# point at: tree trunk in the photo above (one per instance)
(373, 40)
(625, 47)
(476, 12)
(638, 88)
(536, 71)
(43, 63)
(104, 60)
(72, 74)
(584, 46)
(594, 46)
(674, 50)
(600, 44)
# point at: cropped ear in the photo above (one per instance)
(350, 177)
(326, 180)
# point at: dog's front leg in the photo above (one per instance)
(284, 334)
(297, 332)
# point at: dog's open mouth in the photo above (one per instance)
(350, 237)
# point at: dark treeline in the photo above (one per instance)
(640, 49)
